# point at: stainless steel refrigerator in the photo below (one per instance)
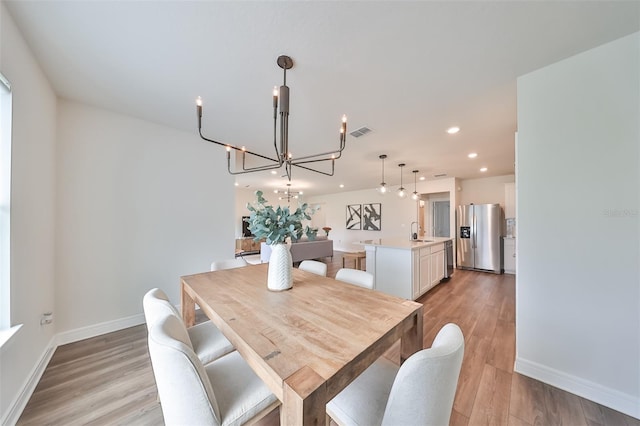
(479, 229)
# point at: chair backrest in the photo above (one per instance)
(156, 305)
(218, 265)
(185, 392)
(355, 276)
(313, 266)
(425, 386)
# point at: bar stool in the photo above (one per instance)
(357, 258)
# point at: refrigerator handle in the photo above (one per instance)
(474, 232)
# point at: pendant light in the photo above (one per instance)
(401, 192)
(415, 196)
(383, 185)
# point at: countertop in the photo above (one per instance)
(399, 243)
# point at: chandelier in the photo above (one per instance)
(288, 194)
(282, 154)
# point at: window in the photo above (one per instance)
(5, 199)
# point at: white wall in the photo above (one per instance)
(104, 207)
(488, 190)
(32, 212)
(578, 282)
(139, 205)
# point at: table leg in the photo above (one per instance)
(188, 306)
(305, 399)
(411, 341)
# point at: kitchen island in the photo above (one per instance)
(406, 268)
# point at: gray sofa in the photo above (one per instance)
(303, 249)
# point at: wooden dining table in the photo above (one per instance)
(306, 343)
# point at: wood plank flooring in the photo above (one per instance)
(107, 380)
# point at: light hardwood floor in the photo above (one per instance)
(108, 380)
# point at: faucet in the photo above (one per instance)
(414, 235)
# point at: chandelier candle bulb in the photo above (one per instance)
(199, 111)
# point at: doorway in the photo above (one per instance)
(441, 218)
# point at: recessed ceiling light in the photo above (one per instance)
(341, 186)
(273, 172)
(453, 130)
(236, 184)
(484, 169)
(422, 178)
(472, 155)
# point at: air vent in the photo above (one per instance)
(440, 175)
(360, 132)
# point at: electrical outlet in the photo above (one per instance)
(46, 318)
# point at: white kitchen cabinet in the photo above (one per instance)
(425, 271)
(415, 277)
(509, 200)
(431, 267)
(437, 267)
(509, 253)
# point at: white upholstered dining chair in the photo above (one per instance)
(355, 276)
(206, 340)
(224, 392)
(313, 266)
(421, 391)
(238, 262)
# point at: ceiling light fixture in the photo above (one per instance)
(288, 194)
(283, 155)
(453, 130)
(383, 185)
(484, 169)
(415, 195)
(472, 155)
(401, 192)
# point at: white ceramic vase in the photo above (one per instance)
(280, 276)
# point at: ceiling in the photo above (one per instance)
(406, 70)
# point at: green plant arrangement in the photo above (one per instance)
(276, 225)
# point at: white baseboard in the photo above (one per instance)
(17, 406)
(98, 329)
(614, 399)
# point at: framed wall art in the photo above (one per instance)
(354, 216)
(372, 217)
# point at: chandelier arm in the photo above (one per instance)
(333, 169)
(230, 147)
(275, 131)
(313, 160)
(287, 169)
(259, 168)
(338, 152)
(250, 169)
(284, 135)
